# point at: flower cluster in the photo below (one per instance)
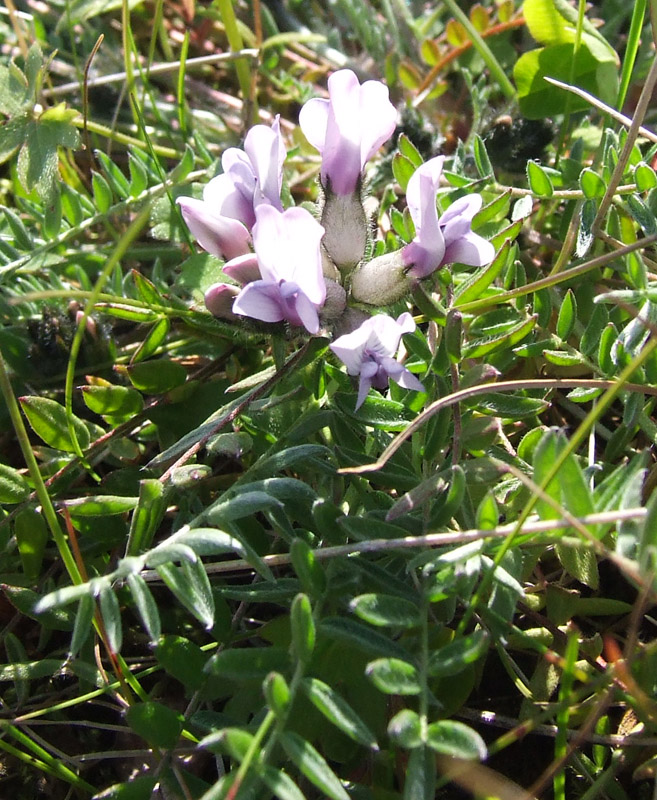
(287, 266)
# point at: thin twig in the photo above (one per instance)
(548, 384)
(428, 540)
(156, 69)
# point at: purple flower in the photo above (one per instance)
(348, 128)
(446, 239)
(369, 352)
(291, 287)
(251, 177)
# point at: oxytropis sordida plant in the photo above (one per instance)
(285, 266)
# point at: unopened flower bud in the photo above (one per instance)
(329, 270)
(381, 281)
(335, 303)
(219, 301)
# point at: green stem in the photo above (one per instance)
(563, 717)
(122, 138)
(576, 440)
(633, 43)
(554, 280)
(242, 67)
(37, 479)
(126, 240)
(45, 763)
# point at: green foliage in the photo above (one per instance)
(204, 542)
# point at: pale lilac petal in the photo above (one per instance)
(406, 323)
(364, 385)
(348, 128)
(424, 184)
(219, 300)
(378, 118)
(388, 331)
(230, 199)
(369, 352)
(243, 269)
(260, 300)
(425, 253)
(446, 239)
(238, 162)
(341, 157)
(350, 347)
(301, 311)
(313, 120)
(223, 237)
(470, 249)
(266, 151)
(288, 248)
(408, 381)
(422, 262)
(231, 193)
(464, 208)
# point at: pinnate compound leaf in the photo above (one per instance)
(100, 505)
(114, 400)
(385, 610)
(539, 180)
(279, 783)
(191, 587)
(140, 788)
(393, 676)
(146, 605)
(156, 377)
(455, 656)
(111, 613)
(182, 659)
(30, 670)
(402, 169)
(14, 488)
(147, 516)
(47, 419)
(303, 628)
(420, 781)
(408, 149)
(453, 738)
(313, 766)
(592, 184)
(352, 632)
(248, 663)
(233, 741)
(567, 316)
(405, 729)
(156, 723)
(336, 709)
(83, 624)
(277, 693)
